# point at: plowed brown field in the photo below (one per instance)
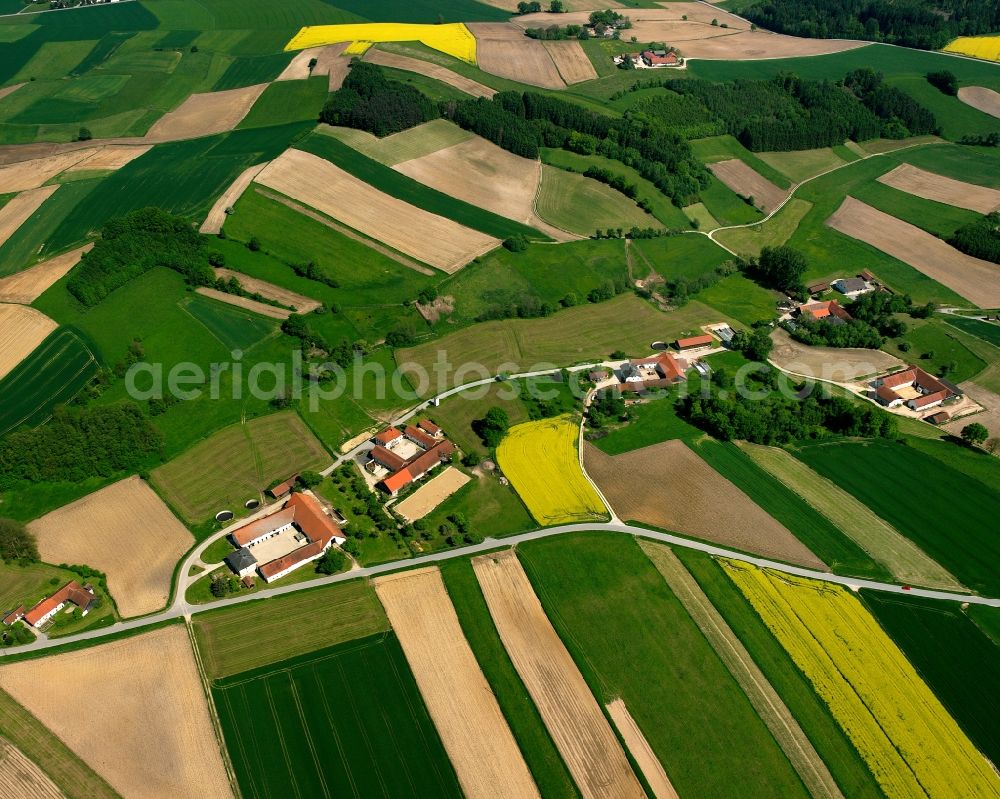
(571, 61)
(436, 71)
(205, 114)
(578, 728)
(262, 308)
(27, 286)
(473, 729)
(914, 180)
(748, 182)
(217, 216)
(522, 59)
(981, 98)
(22, 779)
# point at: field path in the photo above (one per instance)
(217, 215)
(572, 716)
(472, 727)
(766, 701)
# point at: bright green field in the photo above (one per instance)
(934, 338)
(957, 660)
(948, 514)
(722, 148)
(632, 639)
(235, 328)
(51, 375)
(360, 700)
(288, 101)
(582, 205)
(985, 330)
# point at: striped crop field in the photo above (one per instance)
(900, 728)
(453, 39)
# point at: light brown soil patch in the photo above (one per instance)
(16, 212)
(524, 60)
(749, 182)
(506, 30)
(134, 710)
(438, 307)
(243, 302)
(21, 330)
(472, 727)
(126, 532)
(669, 486)
(766, 701)
(914, 180)
(571, 61)
(756, 45)
(981, 98)
(572, 716)
(643, 754)
(205, 114)
(27, 286)
(407, 145)
(327, 59)
(429, 496)
(346, 231)
(39, 171)
(22, 779)
(299, 302)
(217, 216)
(112, 157)
(989, 417)
(974, 279)
(436, 71)
(422, 235)
(841, 365)
(7, 90)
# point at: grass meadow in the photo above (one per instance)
(235, 328)
(288, 101)
(631, 638)
(582, 205)
(985, 330)
(344, 720)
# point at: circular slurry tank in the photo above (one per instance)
(223, 515)
(658, 345)
(251, 504)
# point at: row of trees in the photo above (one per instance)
(980, 239)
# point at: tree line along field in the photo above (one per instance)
(349, 720)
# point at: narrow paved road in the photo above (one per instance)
(180, 608)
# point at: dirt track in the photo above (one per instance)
(670, 487)
(262, 308)
(205, 114)
(981, 98)
(914, 180)
(22, 779)
(976, 280)
(430, 495)
(16, 212)
(839, 364)
(472, 728)
(217, 215)
(28, 285)
(747, 182)
(126, 532)
(134, 710)
(422, 235)
(443, 74)
(21, 330)
(572, 716)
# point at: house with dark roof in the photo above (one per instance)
(72, 593)
(242, 562)
(852, 286)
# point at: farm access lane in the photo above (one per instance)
(181, 609)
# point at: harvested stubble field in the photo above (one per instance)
(406, 145)
(766, 701)
(578, 728)
(22, 779)
(572, 62)
(878, 538)
(972, 278)
(36, 172)
(989, 417)
(205, 114)
(910, 742)
(429, 496)
(16, 212)
(110, 158)
(540, 460)
(427, 237)
(125, 531)
(643, 754)
(27, 286)
(299, 302)
(522, 59)
(838, 364)
(981, 98)
(344, 721)
(747, 182)
(22, 329)
(474, 732)
(285, 627)
(426, 68)
(134, 710)
(760, 45)
(262, 308)
(939, 188)
(237, 464)
(670, 487)
(217, 215)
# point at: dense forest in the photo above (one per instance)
(370, 101)
(926, 24)
(980, 239)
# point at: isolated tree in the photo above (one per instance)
(944, 81)
(16, 543)
(492, 427)
(309, 479)
(332, 562)
(84, 135)
(780, 268)
(556, 7)
(975, 433)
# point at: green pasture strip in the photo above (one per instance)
(404, 188)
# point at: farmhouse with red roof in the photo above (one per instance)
(72, 593)
(694, 342)
(658, 371)
(417, 449)
(828, 311)
(914, 388)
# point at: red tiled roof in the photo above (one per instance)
(939, 418)
(396, 481)
(821, 310)
(694, 341)
(14, 615)
(428, 460)
(282, 488)
(312, 519)
(255, 529)
(420, 437)
(71, 592)
(388, 435)
(670, 367)
(428, 427)
(903, 378)
(299, 555)
(917, 377)
(887, 394)
(390, 460)
(929, 399)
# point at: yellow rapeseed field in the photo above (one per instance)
(358, 48)
(912, 745)
(454, 39)
(540, 460)
(986, 47)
